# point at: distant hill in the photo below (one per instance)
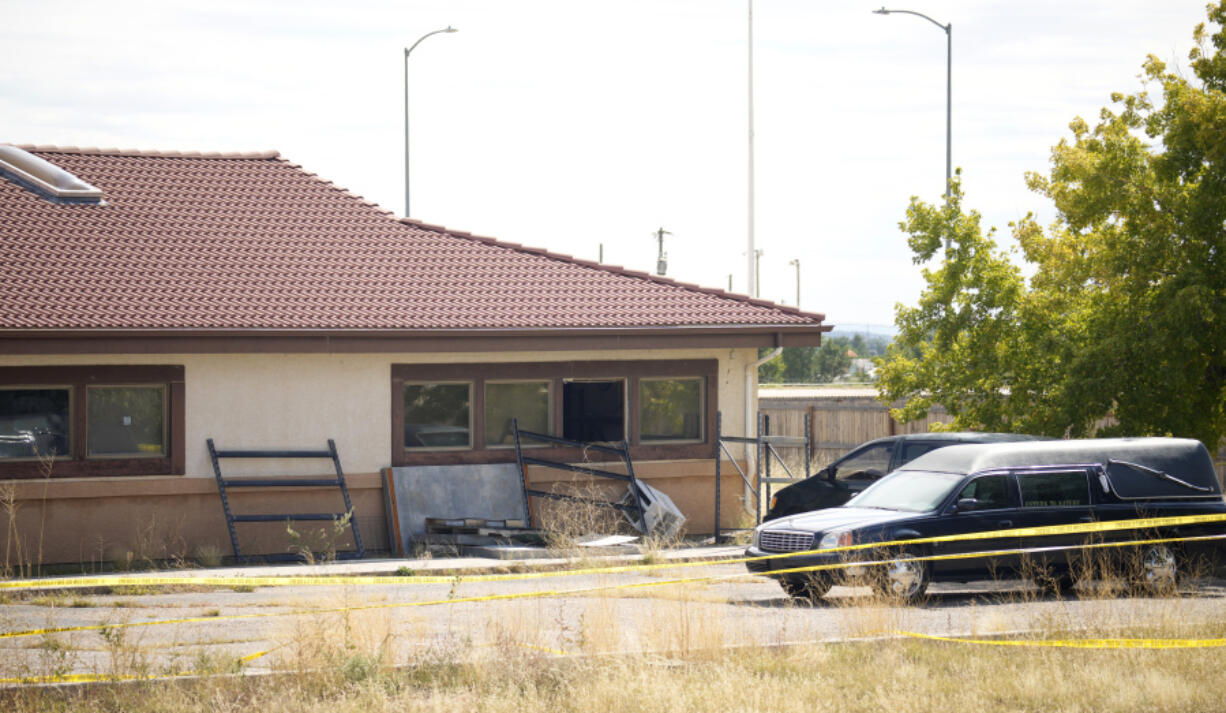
(888, 331)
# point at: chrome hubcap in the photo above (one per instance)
(1158, 566)
(905, 577)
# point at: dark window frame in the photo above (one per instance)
(77, 379)
(555, 373)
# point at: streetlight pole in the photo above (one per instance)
(753, 263)
(949, 64)
(796, 262)
(757, 274)
(407, 52)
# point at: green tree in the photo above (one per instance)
(1125, 315)
(772, 371)
(832, 360)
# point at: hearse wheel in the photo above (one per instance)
(809, 588)
(1158, 569)
(905, 579)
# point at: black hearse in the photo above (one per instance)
(1005, 486)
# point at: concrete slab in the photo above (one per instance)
(489, 491)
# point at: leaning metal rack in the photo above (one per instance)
(223, 484)
(621, 450)
(765, 451)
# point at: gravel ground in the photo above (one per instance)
(297, 623)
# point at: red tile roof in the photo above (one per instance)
(252, 241)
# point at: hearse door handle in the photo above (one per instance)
(1005, 523)
(1087, 518)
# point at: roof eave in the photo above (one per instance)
(188, 341)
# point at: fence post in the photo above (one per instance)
(719, 431)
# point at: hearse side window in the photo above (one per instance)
(992, 491)
(1063, 489)
(869, 464)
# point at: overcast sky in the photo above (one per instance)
(568, 124)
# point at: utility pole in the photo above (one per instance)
(757, 272)
(662, 258)
(796, 262)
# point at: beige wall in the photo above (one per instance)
(266, 400)
(297, 400)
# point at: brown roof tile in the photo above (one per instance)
(251, 241)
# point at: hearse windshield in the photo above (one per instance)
(907, 490)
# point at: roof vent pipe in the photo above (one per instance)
(45, 178)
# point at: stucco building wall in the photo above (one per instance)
(295, 400)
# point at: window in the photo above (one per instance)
(594, 410)
(505, 401)
(992, 492)
(75, 421)
(1045, 490)
(462, 412)
(913, 449)
(867, 464)
(670, 409)
(126, 421)
(437, 415)
(34, 422)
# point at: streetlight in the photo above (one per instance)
(757, 272)
(407, 52)
(752, 278)
(796, 262)
(949, 63)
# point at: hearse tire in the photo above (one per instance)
(1158, 569)
(905, 579)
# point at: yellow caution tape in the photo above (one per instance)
(1078, 643)
(99, 677)
(507, 596)
(368, 580)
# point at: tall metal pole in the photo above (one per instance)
(407, 52)
(949, 87)
(796, 262)
(949, 112)
(750, 254)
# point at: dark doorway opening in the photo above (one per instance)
(594, 410)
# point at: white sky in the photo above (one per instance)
(567, 124)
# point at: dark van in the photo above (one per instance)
(865, 464)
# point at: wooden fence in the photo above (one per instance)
(842, 418)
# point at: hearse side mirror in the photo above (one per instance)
(966, 505)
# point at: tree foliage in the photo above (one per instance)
(814, 365)
(1122, 327)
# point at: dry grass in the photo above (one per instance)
(690, 654)
(695, 676)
